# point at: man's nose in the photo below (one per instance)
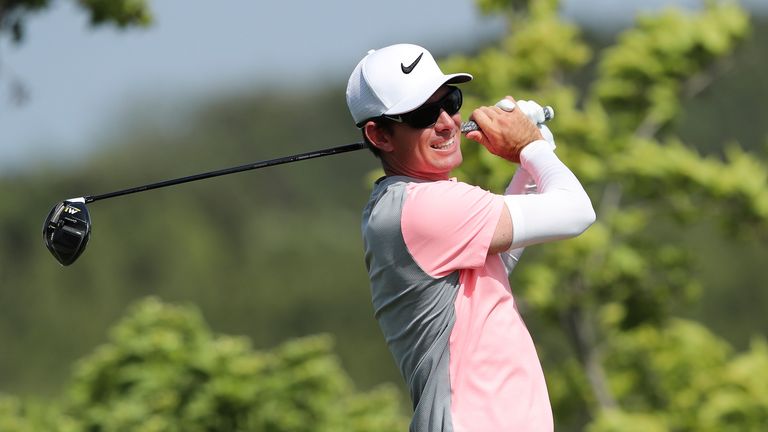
(444, 122)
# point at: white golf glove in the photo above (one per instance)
(535, 112)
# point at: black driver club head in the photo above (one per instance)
(66, 230)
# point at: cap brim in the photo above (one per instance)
(417, 99)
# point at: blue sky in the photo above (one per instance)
(82, 80)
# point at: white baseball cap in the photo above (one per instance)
(395, 80)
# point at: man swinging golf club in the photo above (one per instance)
(439, 251)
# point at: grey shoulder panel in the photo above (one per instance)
(415, 311)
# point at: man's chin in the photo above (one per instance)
(449, 165)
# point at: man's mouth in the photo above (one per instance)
(445, 145)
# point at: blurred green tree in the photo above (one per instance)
(611, 291)
(163, 370)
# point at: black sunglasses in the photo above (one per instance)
(426, 115)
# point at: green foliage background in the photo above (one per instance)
(163, 370)
(653, 320)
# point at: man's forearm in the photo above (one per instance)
(561, 209)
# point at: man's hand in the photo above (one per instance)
(504, 133)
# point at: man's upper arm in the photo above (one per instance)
(502, 237)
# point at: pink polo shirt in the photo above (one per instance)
(496, 380)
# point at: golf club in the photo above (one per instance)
(67, 228)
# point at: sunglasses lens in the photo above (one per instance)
(427, 115)
(452, 104)
(423, 117)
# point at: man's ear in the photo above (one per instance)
(378, 136)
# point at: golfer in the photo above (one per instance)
(439, 251)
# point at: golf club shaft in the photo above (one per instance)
(237, 169)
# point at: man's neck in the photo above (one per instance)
(391, 172)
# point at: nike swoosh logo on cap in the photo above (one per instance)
(408, 69)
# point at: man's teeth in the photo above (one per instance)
(444, 146)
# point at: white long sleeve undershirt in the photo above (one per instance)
(517, 186)
(560, 209)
